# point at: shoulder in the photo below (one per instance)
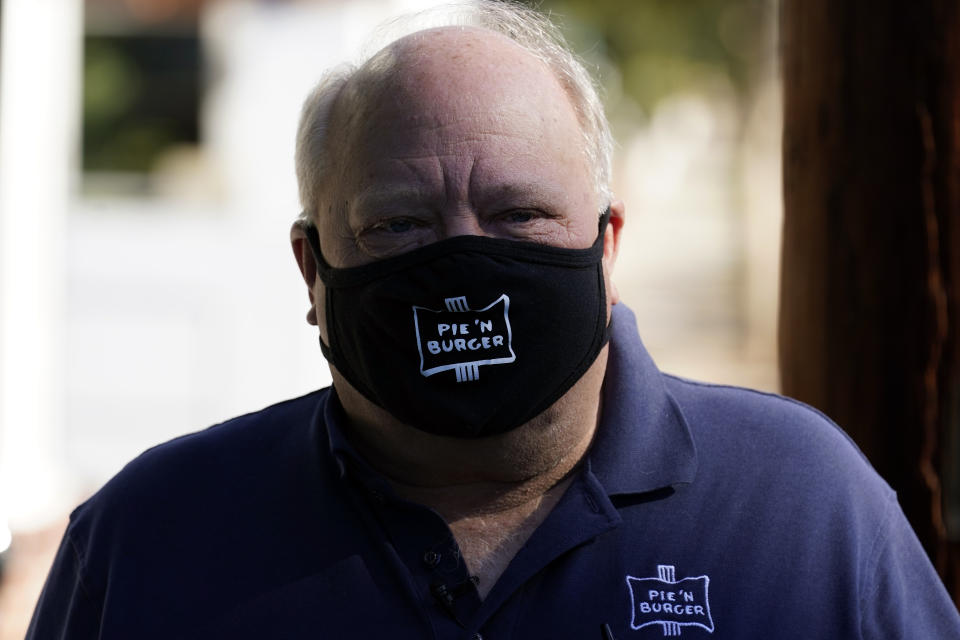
(724, 404)
(199, 523)
(767, 423)
(210, 476)
(244, 443)
(779, 450)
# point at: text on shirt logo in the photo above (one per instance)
(670, 603)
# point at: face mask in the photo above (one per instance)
(469, 336)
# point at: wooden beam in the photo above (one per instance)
(870, 299)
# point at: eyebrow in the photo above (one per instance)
(533, 191)
(530, 193)
(379, 195)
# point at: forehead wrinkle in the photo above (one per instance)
(383, 193)
(450, 150)
(380, 197)
(456, 184)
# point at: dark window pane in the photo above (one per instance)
(141, 96)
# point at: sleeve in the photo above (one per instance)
(903, 597)
(65, 610)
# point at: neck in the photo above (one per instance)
(493, 492)
(456, 496)
(458, 476)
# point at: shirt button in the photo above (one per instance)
(431, 559)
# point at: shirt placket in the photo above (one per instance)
(582, 514)
(422, 550)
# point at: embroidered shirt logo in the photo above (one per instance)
(462, 339)
(670, 603)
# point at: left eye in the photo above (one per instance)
(520, 216)
(398, 225)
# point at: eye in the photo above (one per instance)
(391, 235)
(395, 225)
(519, 216)
(399, 226)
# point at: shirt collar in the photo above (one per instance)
(336, 420)
(343, 451)
(643, 442)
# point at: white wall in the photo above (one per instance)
(128, 321)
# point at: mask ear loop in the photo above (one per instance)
(323, 269)
(313, 240)
(604, 220)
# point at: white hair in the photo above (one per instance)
(534, 32)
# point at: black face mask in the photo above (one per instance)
(469, 336)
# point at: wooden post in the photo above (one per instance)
(870, 301)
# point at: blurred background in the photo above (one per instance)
(147, 287)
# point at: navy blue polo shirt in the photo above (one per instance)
(700, 511)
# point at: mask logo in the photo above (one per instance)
(670, 603)
(462, 339)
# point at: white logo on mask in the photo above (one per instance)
(463, 340)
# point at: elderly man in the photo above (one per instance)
(498, 456)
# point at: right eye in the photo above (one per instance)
(397, 225)
(394, 235)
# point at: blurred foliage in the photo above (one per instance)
(141, 96)
(660, 47)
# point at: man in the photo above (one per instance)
(498, 456)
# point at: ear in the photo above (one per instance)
(307, 265)
(611, 246)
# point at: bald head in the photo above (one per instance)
(496, 39)
(468, 63)
(419, 87)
